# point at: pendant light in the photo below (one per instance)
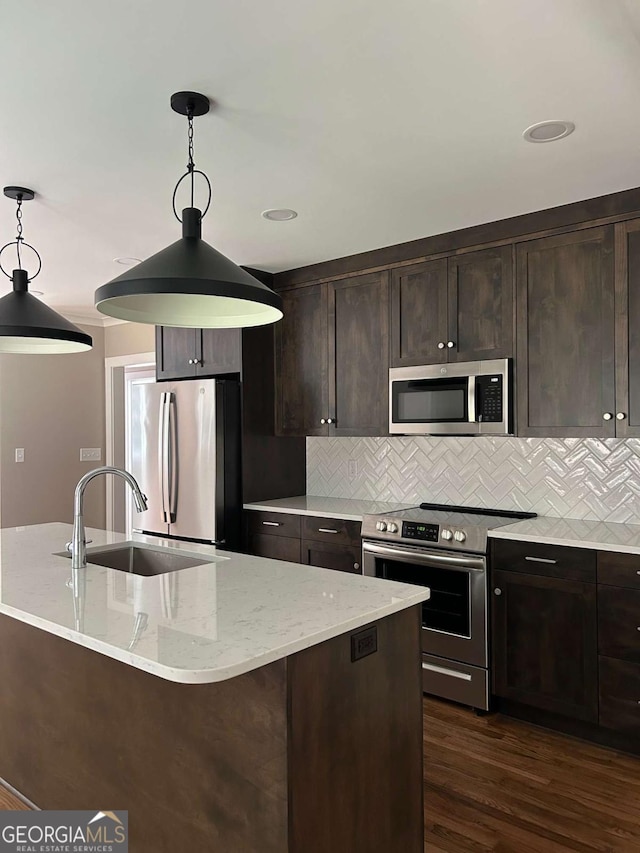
(189, 283)
(27, 325)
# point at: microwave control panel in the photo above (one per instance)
(419, 530)
(489, 399)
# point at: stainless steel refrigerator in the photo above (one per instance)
(184, 451)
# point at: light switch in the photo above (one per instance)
(19, 454)
(90, 454)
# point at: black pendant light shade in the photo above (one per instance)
(27, 325)
(189, 284)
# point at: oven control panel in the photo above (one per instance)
(421, 531)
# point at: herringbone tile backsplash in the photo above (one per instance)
(570, 478)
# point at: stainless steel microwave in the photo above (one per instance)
(469, 398)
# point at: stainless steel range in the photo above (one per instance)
(442, 547)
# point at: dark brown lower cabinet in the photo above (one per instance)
(327, 555)
(620, 695)
(330, 543)
(545, 643)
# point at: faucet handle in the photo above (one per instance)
(88, 541)
(69, 546)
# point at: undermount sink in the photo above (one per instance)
(140, 560)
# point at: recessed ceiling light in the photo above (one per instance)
(548, 131)
(279, 214)
(127, 262)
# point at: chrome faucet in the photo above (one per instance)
(78, 545)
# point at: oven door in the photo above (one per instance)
(454, 619)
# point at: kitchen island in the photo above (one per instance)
(243, 705)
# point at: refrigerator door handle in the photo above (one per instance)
(172, 459)
(163, 453)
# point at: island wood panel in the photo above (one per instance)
(302, 396)
(247, 764)
(359, 355)
(355, 739)
(199, 767)
(419, 314)
(481, 305)
(627, 248)
(565, 364)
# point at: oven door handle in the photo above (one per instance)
(454, 562)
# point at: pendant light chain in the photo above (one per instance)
(19, 237)
(191, 171)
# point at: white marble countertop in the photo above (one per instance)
(196, 625)
(577, 533)
(347, 508)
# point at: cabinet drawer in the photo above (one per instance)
(619, 569)
(335, 530)
(619, 622)
(273, 523)
(620, 695)
(555, 561)
(327, 555)
(275, 547)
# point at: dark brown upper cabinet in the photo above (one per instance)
(453, 309)
(332, 358)
(627, 242)
(565, 333)
(302, 392)
(191, 353)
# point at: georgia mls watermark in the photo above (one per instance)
(64, 832)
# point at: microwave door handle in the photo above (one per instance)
(471, 401)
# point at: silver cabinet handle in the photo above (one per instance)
(326, 530)
(541, 560)
(323, 420)
(443, 670)
(331, 420)
(638, 572)
(620, 416)
(497, 591)
(356, 566)
(272, 523)
(607, 416)
(451, 344)
(440, 344)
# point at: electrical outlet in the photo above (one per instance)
(19, 454)
(90, 454)
(352, 469)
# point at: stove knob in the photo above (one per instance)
(446, 534)
(459, 535)
(392, 527)
(381, 526)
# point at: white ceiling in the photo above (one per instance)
(377, 121)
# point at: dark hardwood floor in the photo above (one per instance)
(497, 784)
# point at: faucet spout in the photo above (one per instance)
(78, 544)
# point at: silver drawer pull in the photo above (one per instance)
(326, 530)
(442, 670)
(638, 572)
(541, 560)
(272, 523)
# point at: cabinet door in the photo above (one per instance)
(301, 363)
(545, 643)
(327, 555)
(628, 329)
(220, 351)
(176, 350)
(419, 314)
(481, 315)
(274, 547)
(359, 355)
(565, 333)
